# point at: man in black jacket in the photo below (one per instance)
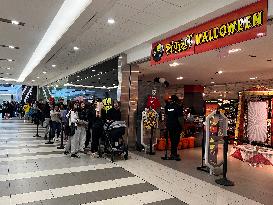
(174, 125)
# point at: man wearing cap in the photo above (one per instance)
(174, 124)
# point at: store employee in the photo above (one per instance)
(174, 124)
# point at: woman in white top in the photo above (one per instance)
(73, 141)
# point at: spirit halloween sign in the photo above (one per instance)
(240, 25)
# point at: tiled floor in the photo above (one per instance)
(34, 173)
(253, 183)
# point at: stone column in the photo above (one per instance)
(128, 99)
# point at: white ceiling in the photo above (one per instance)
(37, 16)
(135, 20)
(132, 17)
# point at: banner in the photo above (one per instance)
(243, 24)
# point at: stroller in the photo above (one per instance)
(112, 142)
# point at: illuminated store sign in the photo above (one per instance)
(246, 23)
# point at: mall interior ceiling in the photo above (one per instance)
(103, 29)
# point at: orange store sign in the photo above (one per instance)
(240, 25)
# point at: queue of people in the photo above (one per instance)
(80, 123)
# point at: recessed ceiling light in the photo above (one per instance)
(78, 80)
(10, 60)
(37, 77)
(53, 65)
(76, 48)
(220, 72)
(212, 82)
(180, 78)
(78, 76)
(253, 78)
(33, 80)
(44, 72)
(8, 68)
(12, 47)
(234, 50)
(111, 21)
(93, 70)
(15, 22)
(174, 64)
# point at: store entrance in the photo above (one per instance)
(237, 80)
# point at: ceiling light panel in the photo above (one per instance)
(66, 16)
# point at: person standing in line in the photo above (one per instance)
(46, 114)
(26, 110)
(114, 113)
(63, 111)
(97, 129)
(91, 114)
(56, 122)
(174, 125)
(82, 126)
(73, 138)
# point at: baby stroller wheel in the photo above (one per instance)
(112, 156)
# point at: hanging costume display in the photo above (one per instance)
(149, 123)
(153, 102)
(257, 121)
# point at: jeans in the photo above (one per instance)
(56, 126)
(82, 137)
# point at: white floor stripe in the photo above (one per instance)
(23, 145)
(51, 172)
(27, 150)
(68, 191)
(135, 199)
(24, 158)
(186, 188)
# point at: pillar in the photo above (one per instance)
(129, 98)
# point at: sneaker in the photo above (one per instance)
(75, 156)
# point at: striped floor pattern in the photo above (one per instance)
(32, 173)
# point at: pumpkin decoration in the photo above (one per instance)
(191, 142)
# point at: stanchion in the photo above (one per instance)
(50, 134)
(203, 167)
(224, 181)
(151, 142)
(37, 122)
(62, 138)
(166, 146)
